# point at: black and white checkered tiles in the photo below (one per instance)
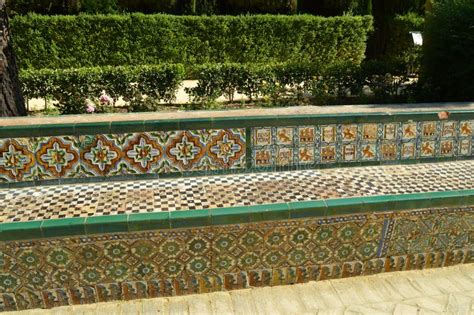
(80, 200)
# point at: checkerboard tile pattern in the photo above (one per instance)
(80, 200)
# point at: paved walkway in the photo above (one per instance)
(433, 291)
(93, 199)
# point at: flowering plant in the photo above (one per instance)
(100, 105)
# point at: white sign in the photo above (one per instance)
(417, 38)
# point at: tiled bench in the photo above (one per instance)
(94, 211)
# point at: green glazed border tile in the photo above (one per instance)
(307, 209)
(196, 124)
(55, 130)
(269, 212)
(380, 203)
(20, 230)
(127, 126)
(92, 128)
(161, 125)
(412, 201)
(231, 215)
(63, 227)
(190, 218)
(106, 224)
(20, 131)
(450, 198)
(148, 221)
(228, 122)
(343, 206)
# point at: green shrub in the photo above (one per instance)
(400, 47)
(137, 39)
(72, 87)
(448, 51)
(144, 87)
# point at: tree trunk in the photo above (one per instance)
(11, 99)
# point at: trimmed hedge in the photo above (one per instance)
(137, 39)
(144, 87)
(71, 87)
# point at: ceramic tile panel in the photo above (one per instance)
(362, 142)
(57, 157)
(77, 270)
(221, 150)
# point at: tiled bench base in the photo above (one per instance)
(75, 270)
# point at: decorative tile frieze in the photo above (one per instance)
(76, 270)
(43, 158)
(350, 143)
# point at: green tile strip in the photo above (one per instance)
(13, 231)
(19, 131)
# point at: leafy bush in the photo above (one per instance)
(302, 83)
(144, 87)
(137, 39)
(72, 87)
(448, 51)
(400, 48)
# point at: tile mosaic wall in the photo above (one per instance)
(58, 157)
(346, 143)
(76, 270)
(208, 150)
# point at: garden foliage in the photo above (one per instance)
(140, 86)
(400, 48)
(137, 39)
(448, 51)
(144, 87)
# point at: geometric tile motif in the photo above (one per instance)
(16, 159)
(430, 231)
(247, 189)
(355, 242)
(350, 143)
(142, 152)
(56, 156)
(100, 154)
(121, 154)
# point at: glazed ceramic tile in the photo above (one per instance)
(83, 200)
(110, 267)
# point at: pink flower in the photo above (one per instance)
(90, 108)
(105, 99)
